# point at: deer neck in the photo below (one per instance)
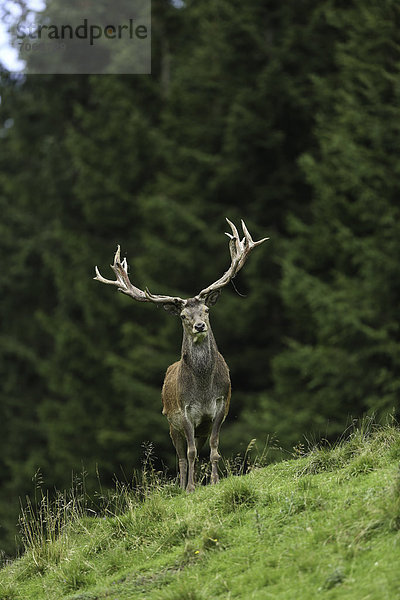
(199, 354)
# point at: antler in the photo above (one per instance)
(239, 250)
(125, 286)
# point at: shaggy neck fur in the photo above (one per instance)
(199, 353)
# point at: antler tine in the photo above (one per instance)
(249, 238)
(99, 276)
(125, 286)
(117, 256)
(248, 244)
(239, 251)
(246, 233)
(122, 282)
(234, 244)
(233, 227)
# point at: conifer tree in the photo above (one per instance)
(341, 271)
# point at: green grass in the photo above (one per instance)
(323, 525)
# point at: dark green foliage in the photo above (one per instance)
(340, 271)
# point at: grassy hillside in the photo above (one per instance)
(325, 525)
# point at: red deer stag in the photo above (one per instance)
(197, 388)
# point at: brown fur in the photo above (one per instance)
(196, 393)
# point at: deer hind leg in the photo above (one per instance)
(180, 446)
(214, 442)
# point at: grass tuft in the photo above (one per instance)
(334, 579)
(365, 463)
(237, 493)
(182, 591)
(394, 451)
(392, 505)
(84, 596)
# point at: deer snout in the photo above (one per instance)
(200, 326)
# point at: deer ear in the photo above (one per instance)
(212, 297)
(173, 309)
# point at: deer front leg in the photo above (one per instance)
(214, 442)
(180, 446)
(191, 453)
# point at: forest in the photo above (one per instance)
(285, 114)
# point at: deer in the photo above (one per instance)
(197, 388)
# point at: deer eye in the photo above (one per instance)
(183, 317)
(206, 309)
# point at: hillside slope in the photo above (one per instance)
(325, 525)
